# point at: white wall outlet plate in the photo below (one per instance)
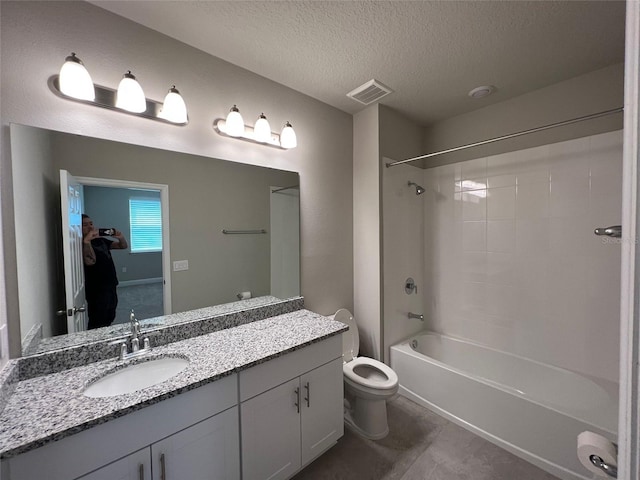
(180, 265)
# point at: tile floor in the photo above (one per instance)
(420, 446)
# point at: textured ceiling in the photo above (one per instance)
(430, 52)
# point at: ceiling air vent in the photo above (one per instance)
(370, 92)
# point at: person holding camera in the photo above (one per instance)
(100, 272)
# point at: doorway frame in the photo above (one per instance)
(629, 401)
(164, 202)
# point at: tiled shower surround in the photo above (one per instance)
(510, 257)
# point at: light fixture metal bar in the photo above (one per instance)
(106, 98)
(506, 137)
(219, 125)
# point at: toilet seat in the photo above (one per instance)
(388, 382)
(368, 385)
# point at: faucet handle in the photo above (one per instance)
(135, 325)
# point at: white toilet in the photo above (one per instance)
(368, 384)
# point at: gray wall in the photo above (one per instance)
(35, 38)
(366, 230)
(37, 211)
(109, 207)
(579, 96)
(402, 227)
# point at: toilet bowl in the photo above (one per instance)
(368, 384)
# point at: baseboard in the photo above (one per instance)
(140, 281)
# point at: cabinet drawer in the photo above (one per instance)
(265, 376)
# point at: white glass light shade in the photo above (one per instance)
(75, 80)
(174, 109)
(262, 129)
(130, 96)
(235, 123)
(288, 137)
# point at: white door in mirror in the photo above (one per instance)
(136, 377)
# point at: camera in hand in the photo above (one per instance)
(106, 231)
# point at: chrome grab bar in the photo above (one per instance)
(245, 232)
(614, 231)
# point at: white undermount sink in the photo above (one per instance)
(136, 377)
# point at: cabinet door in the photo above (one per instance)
(322, 409)
(136, 466)
(208, 450)
(271, 433)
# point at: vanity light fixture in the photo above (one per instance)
(261, 133)
(235, 123)
(130, 96)
(75, 80)
(174, 109)
(288, 137)
(74, 83)
(262, 129)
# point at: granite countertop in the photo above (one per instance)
(48, 408)
(99, 334)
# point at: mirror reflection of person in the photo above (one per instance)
(100, 273)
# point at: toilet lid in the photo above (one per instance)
(350, 339)
(381, 376)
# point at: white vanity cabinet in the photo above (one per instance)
(207, 450)
(277, 416)
(136, 466)
(197, 431)
(285, 427)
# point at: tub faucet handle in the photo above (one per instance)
(410, 286)
(419, 316)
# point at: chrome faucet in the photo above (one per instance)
(135, 332)
(135, 340)
(419, 316)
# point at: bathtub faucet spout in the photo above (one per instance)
(419, 316)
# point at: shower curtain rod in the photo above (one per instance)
(505, 137)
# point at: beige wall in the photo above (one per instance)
(367, 276)
(36, 210)
(403, 233)
(36, 36)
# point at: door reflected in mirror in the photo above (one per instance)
(197, 266)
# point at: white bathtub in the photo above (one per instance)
(529, 408)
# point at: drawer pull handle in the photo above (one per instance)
(163, 469)
(307, 398)
(297, 402)
(141, 471)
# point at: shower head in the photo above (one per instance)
(419, 189)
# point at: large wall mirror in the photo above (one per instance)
(200, 197)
